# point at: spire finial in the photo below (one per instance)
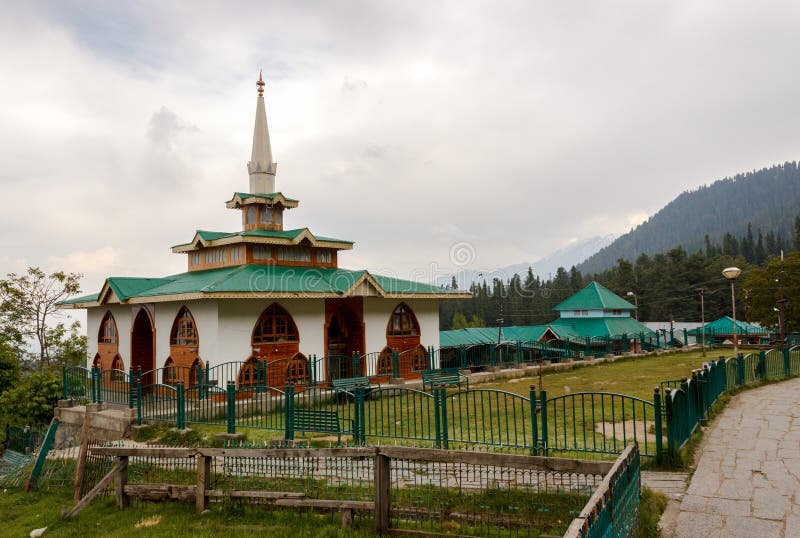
(260, 84)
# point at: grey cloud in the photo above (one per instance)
(164, 128)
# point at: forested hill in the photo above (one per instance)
(768, 199)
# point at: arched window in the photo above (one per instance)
(248, 373)
(184, 332)
(385, 361)
(170, 374)
(275, 325)
(193, 374)
(117, 370)
(419, 359)
(297, 370)
(96, 363)
(403, 322)
(108, 330)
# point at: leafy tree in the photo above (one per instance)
(31, 401)
(460, 321)
(69, 347)
(764, 286)
(10, 369)
(28, 302)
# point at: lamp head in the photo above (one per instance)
(731, 273)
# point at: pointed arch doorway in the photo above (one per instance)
(143, 343)
(344, 336)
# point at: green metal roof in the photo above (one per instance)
(207, 235)
(725, 326)
(260, 279)
(269, 196)
(581, 328)
(594, 297)
(489, 335)
(84, 299)
(126, 287)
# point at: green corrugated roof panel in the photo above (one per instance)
(207, 235)
(397, 285)
(126, 287)
(211, 236)
(593, 297)
(270, 196)
(725, 326)
(468, 337)
(257, 279)
(488, 335)
(525, 333)
(581, 328)
(85, 299)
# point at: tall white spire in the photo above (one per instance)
(261, 168)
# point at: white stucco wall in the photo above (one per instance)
(237, 318)
(225, 326)
(205, 319)
(122, 316)
(376, 317)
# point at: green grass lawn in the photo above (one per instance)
(21, 512)
(634, 376)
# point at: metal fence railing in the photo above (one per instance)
(686, 404)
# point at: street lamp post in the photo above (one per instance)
(731, 273)
(635, 302)
(702, 321)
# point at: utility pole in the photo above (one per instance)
(781, 303)
(702, 320)
(500, 330)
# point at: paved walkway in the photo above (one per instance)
(747, 481)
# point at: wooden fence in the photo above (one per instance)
(402, 488)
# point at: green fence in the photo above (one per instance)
(686, 405)
(613, 509)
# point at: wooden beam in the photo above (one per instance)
(121, 479)
(514, 461)
(203, 476)
(383, 485)
(364, 452)
(255, 494)
(100, 486)
(82, 452)
(161, 492)
(151, 452)
(363, 506)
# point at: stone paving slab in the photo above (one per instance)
(747, 481)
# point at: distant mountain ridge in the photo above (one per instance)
(547, 266)
(768, 198)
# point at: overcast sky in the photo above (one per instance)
(407, 127)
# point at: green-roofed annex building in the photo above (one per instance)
(592, 316)
(721, 330)
(263, 294)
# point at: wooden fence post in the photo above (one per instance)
(121, 478)
(82, 453)
(383, 482)
(203, 474)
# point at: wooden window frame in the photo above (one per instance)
(403, 322)
(274, 325)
